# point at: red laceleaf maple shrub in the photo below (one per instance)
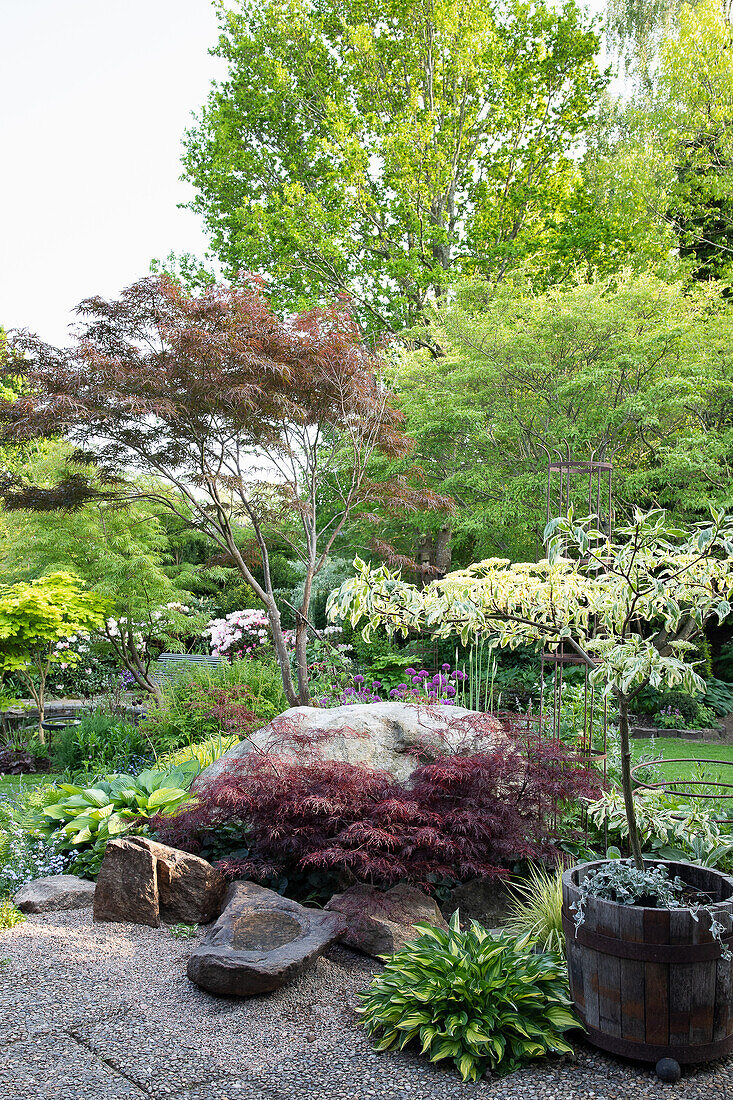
(458, 816)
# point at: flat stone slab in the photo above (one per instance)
(260, 942)
(53, 892)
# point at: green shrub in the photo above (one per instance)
(487, 1003)
(100, 743)
(718, 696)
(692, 708)
(9, 915)
(205, 752)
(204, 703)
(536, 909)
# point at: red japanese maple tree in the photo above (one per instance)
(239, 417)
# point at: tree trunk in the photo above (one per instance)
(281, 653)
(301, 641)
(634, 842)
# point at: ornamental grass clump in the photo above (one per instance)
(488, 1003)
(536, 909)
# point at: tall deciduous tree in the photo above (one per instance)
(380, 147)
(246, 417)
(635, 369)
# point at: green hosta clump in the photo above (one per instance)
(488, 1003)
(85, 818)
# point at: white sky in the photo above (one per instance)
(94, 98)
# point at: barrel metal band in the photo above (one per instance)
(643, 952)
(685, 1053)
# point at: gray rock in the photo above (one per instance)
(382, 735)
(127, 885)
(190, 890)
(45, 895)
(260, 942)
(485, 900)
(379, 923)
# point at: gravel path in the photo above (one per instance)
(106, 1012)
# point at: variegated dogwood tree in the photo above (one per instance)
(630, 605)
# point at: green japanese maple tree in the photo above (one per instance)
(630, 605)
(37, 619)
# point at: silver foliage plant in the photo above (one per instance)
(622, 881)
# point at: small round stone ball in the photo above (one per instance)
(668, 1070)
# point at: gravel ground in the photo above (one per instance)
(106, 1012)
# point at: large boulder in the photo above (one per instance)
(190, 890)
(379, 923)
(45, 895)
(485, 900)
(388, 736)
(144, 882)
(260, 942)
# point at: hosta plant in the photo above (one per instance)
(488, 1003)
(86, 818)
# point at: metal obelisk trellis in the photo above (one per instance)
(586, 486)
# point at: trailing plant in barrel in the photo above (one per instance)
(630, 606)
(486, 1003)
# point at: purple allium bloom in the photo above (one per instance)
(415, 680)
(376, 684)
(450, 690)
(445, 667)
(423, 675)
(410, 672)
(358, 679)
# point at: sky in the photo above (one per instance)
(95, 96)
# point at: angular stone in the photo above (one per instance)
(485, 900)
(190, 890)
(127, 885)
(382, 735)
(44, 895)
(260, 942)
(380, 923)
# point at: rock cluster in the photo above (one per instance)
(148, 883)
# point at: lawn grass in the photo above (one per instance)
(673, 747)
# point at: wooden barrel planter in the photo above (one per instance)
(650, 983)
